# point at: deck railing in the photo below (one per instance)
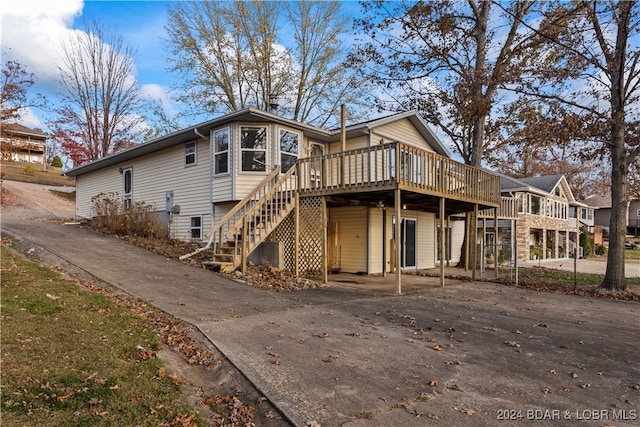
(507, 209)
(396, 164)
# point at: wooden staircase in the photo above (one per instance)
(250, 222)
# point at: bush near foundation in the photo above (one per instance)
(111, 215)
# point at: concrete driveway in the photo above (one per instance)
(468, 354)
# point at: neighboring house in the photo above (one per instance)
(602, 206)
(317, 200)
(544, 218)
(21, 144)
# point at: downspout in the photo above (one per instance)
(208, 245)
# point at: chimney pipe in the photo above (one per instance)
(273, 102)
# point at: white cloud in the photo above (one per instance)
(33, 29)
(160, 94)
(30, 120)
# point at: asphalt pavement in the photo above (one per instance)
(469, 354)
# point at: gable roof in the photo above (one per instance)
(599, 201)
(255, 116)
(414, 118)
(547, 183)
(542, 185)
(18, 129)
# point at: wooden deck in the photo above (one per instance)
(372, 173)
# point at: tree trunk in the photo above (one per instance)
(614, 277)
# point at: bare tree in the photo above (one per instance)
(595, 49)
(15, 82)
(449, 59)
(236, 54)
(100, 112)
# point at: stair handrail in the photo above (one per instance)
(262, 201)
(219, 224)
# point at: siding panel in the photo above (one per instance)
(153, 175)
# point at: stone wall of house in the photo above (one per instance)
(559, 229)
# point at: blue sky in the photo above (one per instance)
(32, 30)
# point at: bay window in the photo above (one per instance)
(253, 148)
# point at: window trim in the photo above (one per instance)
(187, 154)
(254, 150)
(198, 228)
(217, 153)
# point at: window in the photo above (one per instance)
(190, 152)
(288, 149)
(221, 151)
(520, 199)
(195, 231)
(253, 147)
(536, 204)
(127, 186)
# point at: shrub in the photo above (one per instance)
(29, 170)
(585, 242)
(110, 215)
(56, 162)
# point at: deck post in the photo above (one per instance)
(448, 249)
(467, 231)
(483, 248)
(495, 241)
(474, 241)
(296, 237)
(442, 241)
(325, 229)
(384, 242)
(245, 236)
(398, 207)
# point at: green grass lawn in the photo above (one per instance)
(632, 254)
(72, 357)
(546, 277)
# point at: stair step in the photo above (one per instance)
(226, 249)
(222, 267)
(222, 257)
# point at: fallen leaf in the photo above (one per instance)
(437, 347)
(468, 411)
(176, 378)
(433, 383)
